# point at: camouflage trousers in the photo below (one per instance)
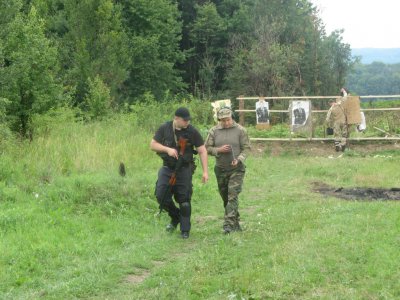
(340, 134)
(229, 186)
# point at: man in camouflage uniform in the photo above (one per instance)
(229, 143)
(336, 119)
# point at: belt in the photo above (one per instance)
(172, 167)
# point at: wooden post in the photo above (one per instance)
(241, 107)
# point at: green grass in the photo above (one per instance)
(71, 227)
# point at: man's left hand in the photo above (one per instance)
(204, 178)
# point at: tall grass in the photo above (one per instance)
(72, 227)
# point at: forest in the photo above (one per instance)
(102, 56)
(376, 78)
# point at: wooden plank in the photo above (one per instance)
(288, 98)
(381, 96)
(315, 97)
(324, 111)
(253, 110)
(380, 109)
(323, 139)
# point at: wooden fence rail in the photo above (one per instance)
(314, 97)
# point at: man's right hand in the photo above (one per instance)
(224, 149)
(172, 152)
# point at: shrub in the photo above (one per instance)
(97, 102)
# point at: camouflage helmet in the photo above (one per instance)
(224, 112)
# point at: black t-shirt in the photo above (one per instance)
(164, 135)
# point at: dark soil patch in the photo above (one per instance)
(360, 194)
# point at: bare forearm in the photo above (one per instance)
(204, 160)
(157, 147)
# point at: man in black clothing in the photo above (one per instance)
(165, 143)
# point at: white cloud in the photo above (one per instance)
(368, 23)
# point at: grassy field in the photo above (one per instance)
(71, 227)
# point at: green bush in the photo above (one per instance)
(55, 118)
(151, 113)
(97, 102)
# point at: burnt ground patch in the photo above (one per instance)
(357, 193)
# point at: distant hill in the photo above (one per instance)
(384, 55)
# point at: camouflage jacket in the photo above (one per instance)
(236, 136)
(336, 115)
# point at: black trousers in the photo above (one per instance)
(182, 192)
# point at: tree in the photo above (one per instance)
(336, 63)
(154, 32)
(97, 101)
(289, 54)
(207, 37)
(28, 76)
(374, 79)
(97, 46)
(269, 64)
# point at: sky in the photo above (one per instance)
(366, 23)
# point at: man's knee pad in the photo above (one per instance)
(185, 209)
